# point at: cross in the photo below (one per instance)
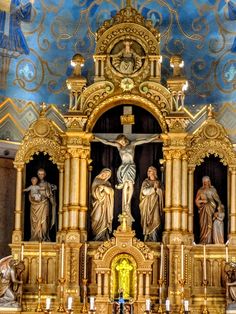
(127, 130)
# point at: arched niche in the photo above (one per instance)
(41, 161)
(211, 153)
(124, 276)
(218, 172)
(104, 156)
(42, 146)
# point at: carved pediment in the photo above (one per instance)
(211, 139)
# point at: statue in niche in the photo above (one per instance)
(230, 270)
(103, 205)
(218, 226)
(42, 199)
(127, 170)
(208, 203)
(127, 61)
(10, 283)
(151, 205)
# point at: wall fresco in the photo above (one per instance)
(203, 32)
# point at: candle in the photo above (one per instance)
(161, 262)
(62, 258)
(40, 259)
(182, 261)
(69, 304)
(186, 303)
(22, 252)
(204, 262)
(226, 253)
(85, 260)
(148, 304)
(48, 303)
(167, 305)
(92, 303)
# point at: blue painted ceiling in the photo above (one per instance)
(200, 31)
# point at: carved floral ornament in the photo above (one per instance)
(211, 139)
(130, 21)
(109, 249)
(42, 136)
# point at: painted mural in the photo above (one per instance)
(202, 31)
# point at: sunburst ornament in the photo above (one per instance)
(127, 84)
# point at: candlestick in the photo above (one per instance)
(84, 309)
(186, 305)
(148, 305)
(205, 309)
(161, 262)
(204, 262)
(40, 260)
(226, 253)
(182, 261)
(69, 303)
(85, 260)
(92, 303)
(167, 305)
(22, 252)
(48, 304)
(39, 305)
(61, 307)
(161, 280)
(62, 258)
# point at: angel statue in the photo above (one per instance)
(10, 283)
(230, 271)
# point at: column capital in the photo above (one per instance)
(18, 165)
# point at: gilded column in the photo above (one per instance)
(147, 286)
(99, 284)
(17, 234)
(184, 192)
(190, 199)
(106, 283)
(74, 190)
(83, 187)
(61, 185)
(140, 284)
(176, 191)
(168, 177)
(233, 201)
(65, 221)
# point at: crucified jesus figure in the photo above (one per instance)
(127, 170)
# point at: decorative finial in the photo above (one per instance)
(43, 108)
(128, 3)
(210, 110)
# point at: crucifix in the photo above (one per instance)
(126, 172)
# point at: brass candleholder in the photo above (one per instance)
(39, 307)
(61, 307)
(160, 308)
(47, 311)
(84, 309)
(205, 309)
(182, 284)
